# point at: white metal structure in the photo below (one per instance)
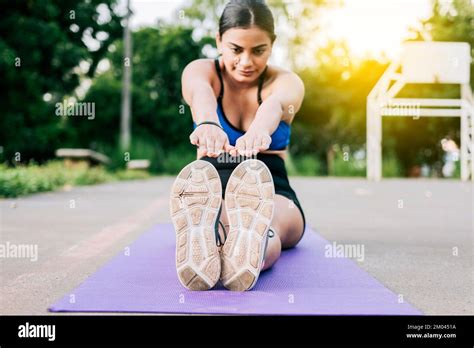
(423, 62)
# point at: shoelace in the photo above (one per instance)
(218, 236)
(271, 233)
(219, 241)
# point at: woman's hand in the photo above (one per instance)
(252, 142)
(211, 140)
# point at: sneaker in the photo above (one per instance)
(249, 198)
(195, 206)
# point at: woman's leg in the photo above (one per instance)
(288, 225)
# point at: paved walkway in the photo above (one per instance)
(417, 235)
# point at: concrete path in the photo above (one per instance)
(417, 235)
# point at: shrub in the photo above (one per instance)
(32, 178)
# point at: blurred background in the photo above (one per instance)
(62, 70)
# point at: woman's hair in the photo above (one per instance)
(247, 13)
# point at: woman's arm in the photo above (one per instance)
(281, 105)
(197, 91)
(196, 82)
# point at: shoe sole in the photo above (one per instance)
(249, 198)
(195, 203)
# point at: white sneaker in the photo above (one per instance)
(249, 198)
(195, 206)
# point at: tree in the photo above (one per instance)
(333, 112)
(42, 44)
(161, 121)
(334, 107)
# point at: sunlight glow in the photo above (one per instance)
(374, 27)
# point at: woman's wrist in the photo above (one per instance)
(205, 116)
(211, 123)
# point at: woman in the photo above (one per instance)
(258, 211)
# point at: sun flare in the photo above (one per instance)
(375, 27)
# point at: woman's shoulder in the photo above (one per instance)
(207, 65)
(277, 75)
(276, 72)
(202, 65)
(203, 69)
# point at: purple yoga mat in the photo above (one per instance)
(302, 282)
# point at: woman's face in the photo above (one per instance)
(245, 52)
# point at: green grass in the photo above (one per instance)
(173, 161)
(391, 167)
(457, 171)
(352, 167)
(349, 167)
(162, 161)
(32, 178)
(306, 165)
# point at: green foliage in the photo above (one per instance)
(391, 166)
(34, 178)
(28, 179)
(141, 148)
(161, 121)
(160, 56)
(132, 174)
(91, 176)
(42, 44)
(417, 141)
(335, 102)
(334, 108)
(50, 47)
(347, 166)
(306, 165)
(174, 161)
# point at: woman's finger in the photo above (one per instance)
(210, 146)
(219, 145)
(229, 148)
(193, 138)
(265, 143)
(202, 143)
(257, 144)
(240, 146)
(249, 146)
(201, 151)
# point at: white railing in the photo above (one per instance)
(423, 62)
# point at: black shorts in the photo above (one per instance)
(275, 164)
